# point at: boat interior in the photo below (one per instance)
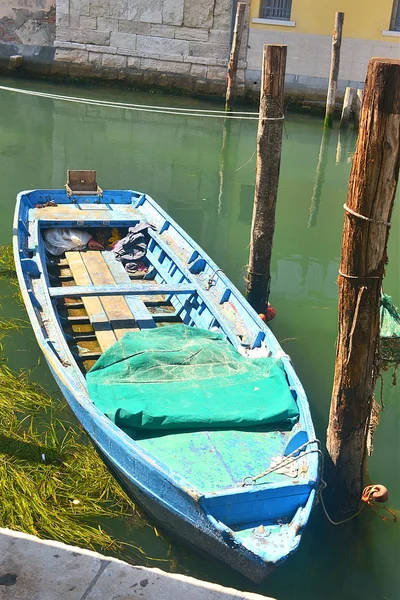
(96, 301)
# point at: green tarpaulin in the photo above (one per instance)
(180, 377)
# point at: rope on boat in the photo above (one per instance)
(187, 112)
(287, 460)
(371, 494)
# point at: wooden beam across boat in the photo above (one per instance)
(117, 310)
(142, 289)
(142, 315)
(94, 308)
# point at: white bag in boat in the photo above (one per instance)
(58, 241)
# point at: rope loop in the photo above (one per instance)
(286, 460)
(364, 218)
(358, 276)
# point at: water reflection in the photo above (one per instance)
(305, 277)
(319, 177)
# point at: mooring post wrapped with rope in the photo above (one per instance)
(368, 209)
(269, 146)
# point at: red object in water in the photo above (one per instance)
(262, 317)
(270, 312)
(380, 494)
(377, 491)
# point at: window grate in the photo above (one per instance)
(276, 9)
(396, 20)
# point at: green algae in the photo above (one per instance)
(52, 482)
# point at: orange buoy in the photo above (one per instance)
(377, 492)
(269, 313)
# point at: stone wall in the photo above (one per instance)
(30, 22)
(183, 42)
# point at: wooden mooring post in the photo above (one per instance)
(234, 55)
(368, 208)
(346, 110)
(334, 72)
(269, 145)
(358, 105)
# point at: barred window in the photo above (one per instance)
(276, 9)
(395, 22)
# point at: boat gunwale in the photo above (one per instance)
(64, 372)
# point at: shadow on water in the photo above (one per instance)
(179, 161)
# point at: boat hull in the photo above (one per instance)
(171, 500)
(166, 507)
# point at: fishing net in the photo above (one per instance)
(390, 331)
(180, 377)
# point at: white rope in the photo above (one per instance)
(194, 112)
(364, 218)
(286, 460)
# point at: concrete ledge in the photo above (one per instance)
(34, 569)
(391, 33)
(277, 22)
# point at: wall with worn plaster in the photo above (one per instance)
(30, 22)
(308, 35)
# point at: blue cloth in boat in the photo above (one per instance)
(180, 377)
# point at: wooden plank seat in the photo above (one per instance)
(93, 306)
(138, 308)
(110, 315)
(118, 312)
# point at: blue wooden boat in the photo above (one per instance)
(241, 494)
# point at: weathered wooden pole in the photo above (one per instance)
(234, 55)
(370, 199)
(358, 105)
(334, 73)
(346, 110)
(269, 145)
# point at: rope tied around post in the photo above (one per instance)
(364, 218)
(358, 276)
(282, 118)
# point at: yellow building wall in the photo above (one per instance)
(365, 19)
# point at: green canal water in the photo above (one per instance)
(209, 191)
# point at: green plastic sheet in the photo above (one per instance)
(180, 377)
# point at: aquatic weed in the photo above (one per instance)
(8, 272)
(52, 482)
(7, 266)
(13, 324)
